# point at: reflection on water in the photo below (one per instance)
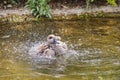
(94, 47)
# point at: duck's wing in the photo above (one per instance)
(42, 48)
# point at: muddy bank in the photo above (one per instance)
(22, 14)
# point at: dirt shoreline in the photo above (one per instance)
(65, 13)
(79, 11)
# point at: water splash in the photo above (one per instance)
(71, 54)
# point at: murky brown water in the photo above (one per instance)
(94, 50)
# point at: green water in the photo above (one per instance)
(95, 42)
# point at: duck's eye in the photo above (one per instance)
(50, 37)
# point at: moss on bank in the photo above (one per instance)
(19, 17)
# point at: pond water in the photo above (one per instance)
(94, 50)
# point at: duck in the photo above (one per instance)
(54, 46)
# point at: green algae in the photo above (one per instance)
(26, 18)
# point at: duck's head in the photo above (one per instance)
(51, 39)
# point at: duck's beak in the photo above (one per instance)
(55, 41)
